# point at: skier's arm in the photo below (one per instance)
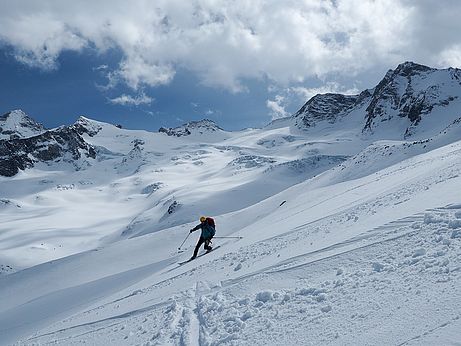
(195, 228)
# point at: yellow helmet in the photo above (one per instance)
(202, 218)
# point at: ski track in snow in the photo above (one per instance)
(227, 320)
(368, 276)
(366, 253)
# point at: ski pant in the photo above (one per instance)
(199, 243)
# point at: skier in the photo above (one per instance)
(208, 231)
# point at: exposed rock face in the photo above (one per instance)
(324, 107)
(86, 126)
(16, 124)
(63, 144)
(25, 142)
(410, 91)
(198, 127)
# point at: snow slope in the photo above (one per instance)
(371, 260)
(17, 124)
(142, 182)
(334, 234)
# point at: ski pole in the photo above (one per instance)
(228, 237)
(179, 248)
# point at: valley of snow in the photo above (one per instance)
(341, 238)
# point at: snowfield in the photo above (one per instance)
(370, 255)
(344, 232)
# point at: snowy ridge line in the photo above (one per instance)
(430, 331)
(117, 317)
(72, 336)
(333, 247)
(400, 222)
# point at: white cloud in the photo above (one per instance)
(102, 67)
(128, 100)
(330, 87)
(451, 57)
(226, 42)
(288, 100)
(277, 107)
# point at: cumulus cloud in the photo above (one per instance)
(227, 42)
(451, 56)
(128, 100)
(329, 87)
(277, 107)
(102, 67)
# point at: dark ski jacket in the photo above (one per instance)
(208, 231)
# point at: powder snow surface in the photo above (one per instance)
(346, 241)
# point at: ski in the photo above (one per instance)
(203, 254)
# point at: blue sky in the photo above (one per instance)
(147, 64)
(76, 88)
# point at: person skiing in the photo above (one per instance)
(207, 226)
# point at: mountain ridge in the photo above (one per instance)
(408, 93)
(394, 109)
(17, 124)
(197, 127)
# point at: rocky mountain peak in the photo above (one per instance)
(411, 91)
(324, 107)
(87, 126)
(196, 127)
(409, 68)
(16, 124)
(64, 144)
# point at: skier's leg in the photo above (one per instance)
(197, 247)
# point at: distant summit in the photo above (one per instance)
(411, 101)
(87, 126)
(194, 127)
(402, 99)
(29, 143)
(324, 107)
(16, 124)
(411, 92)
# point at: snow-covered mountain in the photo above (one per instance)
(324, 107)
(61, 145)
(16, 124)
(205, 127)
(343, 225)
(406, 97)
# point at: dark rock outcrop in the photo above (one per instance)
(409, 92)
(199, 127)
(86, 126)
(324, 107)
(64, 144)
